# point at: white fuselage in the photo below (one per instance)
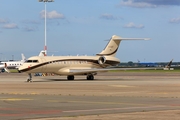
(13, 64)
(2, 66)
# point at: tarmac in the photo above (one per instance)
(112, 95)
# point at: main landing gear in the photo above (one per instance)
(70, 77)
(90, 77)
(29, 78)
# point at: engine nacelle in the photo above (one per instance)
(101, 60)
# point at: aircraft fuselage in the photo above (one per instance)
(62, 65)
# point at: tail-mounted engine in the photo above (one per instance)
(101, 60)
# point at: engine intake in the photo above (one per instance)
(101, 60)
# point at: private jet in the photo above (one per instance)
(77, 65)
(5, 66)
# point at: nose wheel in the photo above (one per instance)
(29, 78)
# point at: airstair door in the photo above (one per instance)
(44, 65)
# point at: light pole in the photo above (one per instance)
(45, 39)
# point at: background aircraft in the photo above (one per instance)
(5, 66)
(148, 64)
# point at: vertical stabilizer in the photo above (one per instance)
(112, 47)
(23, 58)
(42, 53)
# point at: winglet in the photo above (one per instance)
(169, 64)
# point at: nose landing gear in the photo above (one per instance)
(29, 78)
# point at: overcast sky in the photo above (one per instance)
(83, 27)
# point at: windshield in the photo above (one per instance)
(31, 61)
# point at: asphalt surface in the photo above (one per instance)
(117, 95)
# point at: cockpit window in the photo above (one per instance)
(31, 61)
(35, 61)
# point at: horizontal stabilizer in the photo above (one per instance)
(132, 39)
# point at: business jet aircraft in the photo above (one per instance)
(76, 65)
(5, 66)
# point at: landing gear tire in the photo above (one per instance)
(29, 80)
(70, 77)
(3, 70)
(90, 77)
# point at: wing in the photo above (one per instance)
(95, 70)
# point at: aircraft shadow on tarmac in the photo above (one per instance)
(76, 80)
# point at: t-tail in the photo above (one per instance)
(23, 58)
(42, 53)
(113, 45)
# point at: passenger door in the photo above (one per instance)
(44, 65)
